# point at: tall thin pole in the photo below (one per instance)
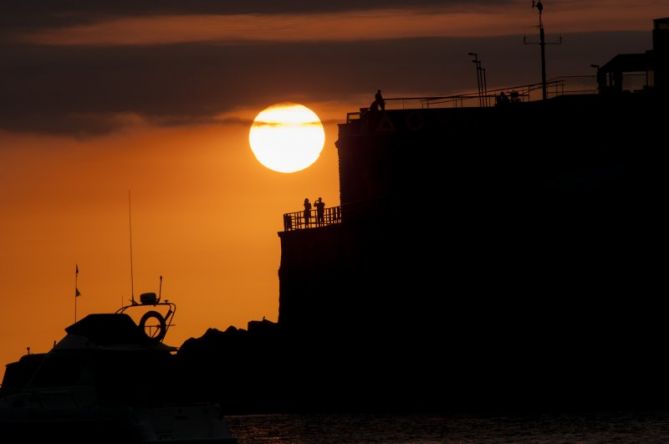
(479, 76)
(485, 87)
(542, 44)
(76, 290)
(480, 70)
(132, 277)
(478, 80)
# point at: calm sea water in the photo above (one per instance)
(426, 429)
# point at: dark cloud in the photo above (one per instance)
(26, 15)
(92, 90)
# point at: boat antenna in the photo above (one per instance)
(132, 278)
(77, 293)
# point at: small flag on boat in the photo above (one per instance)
(77, 293)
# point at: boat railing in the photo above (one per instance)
(300, 220)
(153, 323)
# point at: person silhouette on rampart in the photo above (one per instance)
(502, 99)
(307, 211)
(378, 99)
(320, 211)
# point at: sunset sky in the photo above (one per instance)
(98, 98)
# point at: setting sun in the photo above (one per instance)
(287, 137)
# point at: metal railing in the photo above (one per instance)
(561, 86)
(300, 220)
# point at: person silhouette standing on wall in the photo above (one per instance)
(378, 99)
(502, 99)
(320, 211)
(307, 211)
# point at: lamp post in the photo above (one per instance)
(485, 87)
(481, 80)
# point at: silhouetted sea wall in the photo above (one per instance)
(487, 258)
(538, 213)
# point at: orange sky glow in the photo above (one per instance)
(205, 216)
(205, 212)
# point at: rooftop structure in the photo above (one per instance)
(446, 204)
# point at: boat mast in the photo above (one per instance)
(76, 290)
(132, 278)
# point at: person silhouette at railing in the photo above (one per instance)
(380, 102)
(320, 211)
(502, 99)
(307, 211)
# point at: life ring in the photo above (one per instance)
(151, 331)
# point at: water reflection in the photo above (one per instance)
(434, 429)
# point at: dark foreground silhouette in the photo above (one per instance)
(485, 258)
(492, 258)
(108, 381)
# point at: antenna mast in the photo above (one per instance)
(132, 278)
(542, 43)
